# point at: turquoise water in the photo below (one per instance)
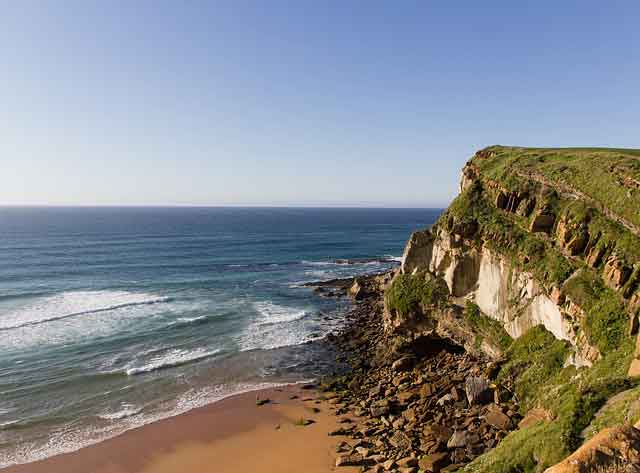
(112, 318)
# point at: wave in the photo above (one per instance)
(73, 304)
(354, 261)
(276, 314)
(128, 410)
(397, 259)
(189, 320)
(173, 358)
(9, 424)
(71, 441)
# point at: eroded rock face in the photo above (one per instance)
(573, 237)
(616, 273)
(417, 253)
(542, 222)
(512, 297)
(607, 447)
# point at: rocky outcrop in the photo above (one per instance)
(619, 445)
(530, 270)
(512, 297)
(476, 258)
(417, 252)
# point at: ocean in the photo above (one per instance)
(111, 318)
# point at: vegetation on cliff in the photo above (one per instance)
(535, 371)
(485, 327)
(610, 177)
(606, 322)
(528, 251)
(414, 293)
(562, 230)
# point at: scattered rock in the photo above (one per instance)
(354, 459)
(478, 390)
(403, 364)
(400, 440)
(434, 462)
(535, 415)
(494, 416)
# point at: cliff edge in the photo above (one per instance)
(536, 265)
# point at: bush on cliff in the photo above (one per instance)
(606, 318)
(412, 293)
(486, 327)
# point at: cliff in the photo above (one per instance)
(536, 264)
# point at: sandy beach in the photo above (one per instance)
(231, 435)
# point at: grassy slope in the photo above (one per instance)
(535, 373)
(534, 369)
(593, 171)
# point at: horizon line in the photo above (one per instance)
(230, 206)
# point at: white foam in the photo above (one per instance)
(170, 359)
(397, 259)
(318, 263)
(188, 320)
(9, 423)
(103, 314)
(73, 439)
(128, 410)
(278, 326)
(72, 304)
(271, 313)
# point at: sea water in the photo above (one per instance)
(111, 318)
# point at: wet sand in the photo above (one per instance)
(228, 436)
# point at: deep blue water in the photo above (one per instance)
(114, 317)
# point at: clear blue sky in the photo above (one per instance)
(300, 102)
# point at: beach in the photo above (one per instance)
(114, 319)
(234, 434)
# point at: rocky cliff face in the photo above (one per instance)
(536, 265)
(530, 246)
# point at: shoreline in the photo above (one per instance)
(212, 438)
(272, 432)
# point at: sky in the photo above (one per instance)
(318, 103)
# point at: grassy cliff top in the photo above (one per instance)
(608, 176)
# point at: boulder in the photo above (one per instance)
(535, 415)
(403, 364)
(400, 440)
(378, 411)
(457, 440)
(426, 390)
(434, 462)
(494, 416)
(437, 432)
(407, 462)
(478, 390)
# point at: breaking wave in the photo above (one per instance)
(73, 304)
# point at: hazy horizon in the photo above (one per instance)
(299, 105)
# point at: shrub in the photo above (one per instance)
(486, 327)
(414, 293)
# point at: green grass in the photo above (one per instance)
(410, 294)
(593, 171)
(486, 328)
(607, 321)
(506, 235)
(537, 355)
(616, 412)
(535, 369)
